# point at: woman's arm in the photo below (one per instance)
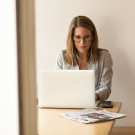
(106, 78)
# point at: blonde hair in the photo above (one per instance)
(81, 21)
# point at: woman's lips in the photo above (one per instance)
(82, 46)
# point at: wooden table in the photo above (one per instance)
(50, 123)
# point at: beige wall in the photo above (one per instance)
(115, 23)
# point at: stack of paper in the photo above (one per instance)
(92, 115)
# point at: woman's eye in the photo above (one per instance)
(86, 37)
(78, 37)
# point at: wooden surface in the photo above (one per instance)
(50, 123)
(123, 131)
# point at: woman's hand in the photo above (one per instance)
(97, 96)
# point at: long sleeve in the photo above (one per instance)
(59, 61)
(106, 78)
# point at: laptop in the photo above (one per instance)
(67, 88)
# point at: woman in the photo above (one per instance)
(82, 53)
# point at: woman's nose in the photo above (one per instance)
(82, 41)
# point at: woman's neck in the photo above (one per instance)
(82, 56)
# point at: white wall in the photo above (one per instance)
(115, 23)
(8, 69)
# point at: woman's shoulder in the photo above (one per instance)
(61, 55)
(104, 55)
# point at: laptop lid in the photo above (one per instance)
(66, 88)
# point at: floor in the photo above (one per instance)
(123, 131)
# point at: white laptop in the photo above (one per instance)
(67, 88)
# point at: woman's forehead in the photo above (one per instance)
(81, 31)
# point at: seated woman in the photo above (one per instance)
(82, 53)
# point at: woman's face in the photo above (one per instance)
(82, 39)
